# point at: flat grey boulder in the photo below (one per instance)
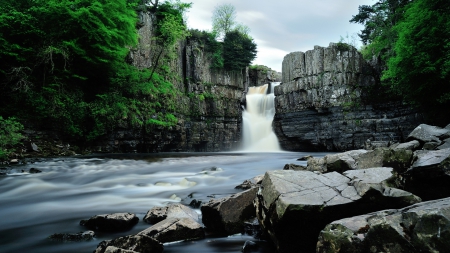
(175, 229)
(411, 145)
(293, 206)
(399, 159)
(175, 210)
(423, 227)
(429, 175)
(336, 162)
(133, 243)
(426, 133)
(227, 215)
(111, 222)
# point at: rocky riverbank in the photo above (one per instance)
(379, 199)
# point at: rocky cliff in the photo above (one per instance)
(209, 108)
(322, 103)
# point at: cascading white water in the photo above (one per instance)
(257, 118)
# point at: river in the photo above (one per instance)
(69, 189)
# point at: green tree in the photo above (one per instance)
(378, 20)
(9, 135)
(223, 19)
(239, 50)
(420, 68)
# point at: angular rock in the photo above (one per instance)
(175, 229)
(399, 159)
(137, 243)
(81, 236)
(227, 215)
(426, 133)
(247, 184)
(292, 166)
(445, 144)
(411, 145)
(423, 227)
(429, 175)
(343, 161)
(111, 222)
(293, 206)
(175, 210)
(249, 246)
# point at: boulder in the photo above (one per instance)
(445, 144)
(429, 175)
(175, 229)
(343, 161)
(426, 133)
(65, 237)
(34, 171)
(411, 145)
(292, 166)
(423, 227)
(133, 243)
(399, 159)
(111, 222)
(227, 215)
(175, 210)
(293, 206)
(247, 184)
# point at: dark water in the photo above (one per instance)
(34, 206)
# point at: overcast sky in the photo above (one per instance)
(283, 26)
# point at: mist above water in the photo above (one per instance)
(258, 135)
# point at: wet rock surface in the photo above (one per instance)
(134, 243)
(293, 206)
(423, 227)
(227, 215)
(175, 210)
(66, 237)
(111, 222)
(175, 229)
(247, 184)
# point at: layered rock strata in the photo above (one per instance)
(320, 105)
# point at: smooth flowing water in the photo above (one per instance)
(34, 206)
(258, 135)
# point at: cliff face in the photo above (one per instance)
(320, 104)
(208, 105)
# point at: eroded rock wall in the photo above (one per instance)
(208, 106)
(320, 104)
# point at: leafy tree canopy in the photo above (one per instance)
(420, 68)
(239, 50)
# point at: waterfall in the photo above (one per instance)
(258, 135)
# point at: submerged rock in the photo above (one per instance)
(175, 229)
(227, 215)
(175, 210)
(293, 206)
(423, 227)
(65, 237)
(111, 222)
